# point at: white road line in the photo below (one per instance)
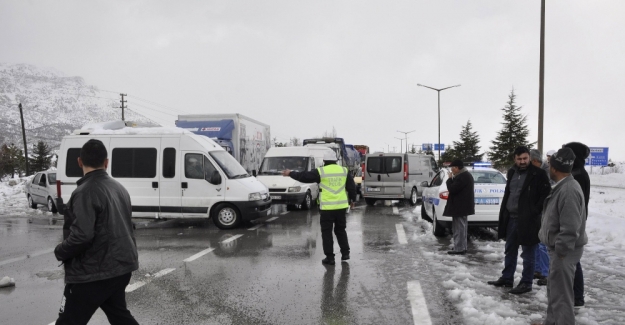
(271, 219)
(231, 239)
(401, 234)
(135, 286)
(395, 210)
(285, 212)
(256, 227)
(198, 255)
(163, 272)
(420, 313)
(27, 256)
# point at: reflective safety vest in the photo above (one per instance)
(333, 195)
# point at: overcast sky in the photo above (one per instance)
(305, 66)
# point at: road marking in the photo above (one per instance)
(135, 286)
(401, 234)
(256, 227)
(271, 219)
(198, 255)
(285, 212)
(163, 272)
(420, 313)
(27, 256)
(395, 210)
(139, 284)
(230, 239)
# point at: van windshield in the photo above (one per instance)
(229, 165)
(384, 165)
(487, 177)
(275, 165)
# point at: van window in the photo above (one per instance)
(193, 167)
(384, 165)
(275, 165)
(312, 163)
(71, 163)
(433, 162)
(169, 163)
(438, 180)
(209, 169)
(134, 163)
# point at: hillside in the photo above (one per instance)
(53, 104)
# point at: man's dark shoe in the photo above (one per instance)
(344, 257)
(542, 282)
(501, 283)
(457, 252)
(538, 275)
(521, 288)
(328, 261)
(579, 304)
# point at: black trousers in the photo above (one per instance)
(81, 300)
(334, 219)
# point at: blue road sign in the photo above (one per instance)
(598, 156)
(442, 146)
(426, 146)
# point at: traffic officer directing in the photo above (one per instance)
(335, 183)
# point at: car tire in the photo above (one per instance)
(414, 197)
(308, 202)
(437, 229)
(226, 216)
(424, 214)
(51, 206)
(31, 203)
(370, 202)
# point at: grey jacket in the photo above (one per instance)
(564, 218)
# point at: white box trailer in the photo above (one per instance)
(246, 139)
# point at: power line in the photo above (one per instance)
(154, 109)
(156, 104)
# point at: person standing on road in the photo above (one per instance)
(527, 187)
(337, 190)
(460, 204)
(564, 232)
(98, 251)
(541, 270)
(580, 174)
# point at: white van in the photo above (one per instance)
(285, 189)
(169, 173)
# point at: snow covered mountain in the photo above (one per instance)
(53, 105)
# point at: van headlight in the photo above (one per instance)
(255, 196)
(295, 189)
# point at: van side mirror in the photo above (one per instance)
(215, 178)
(424, 184)
(254, 172)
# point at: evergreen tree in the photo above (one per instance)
(449, 155)
(11, 161)
(514, 133)
(41, 157)
(467, 148)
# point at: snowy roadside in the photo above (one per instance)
(13, 201)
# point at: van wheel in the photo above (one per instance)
(437, 229)
(226, 216)
(414, 197)
(370, 202)
(424, 214)
(51, 206)
(31, 203)
(308, 202)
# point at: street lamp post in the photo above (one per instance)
(406, 136)
(439, 113)
(401, 143)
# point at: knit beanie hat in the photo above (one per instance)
(563, 160)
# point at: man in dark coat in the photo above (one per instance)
(98, 249)
(580, 174)
(460, 204)
(520, 217)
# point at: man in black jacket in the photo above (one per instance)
(580, 174)
(98, 249)
(460, 204)
(520, 218)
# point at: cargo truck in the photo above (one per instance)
(244, 138)
(345, 159)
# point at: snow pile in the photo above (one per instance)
(13, 201)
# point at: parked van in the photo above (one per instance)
(169, 173)
(396, 176)
(285, 189)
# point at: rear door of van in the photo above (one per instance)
(384, 175)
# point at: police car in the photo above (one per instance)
(490, 185)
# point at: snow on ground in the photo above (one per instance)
(13, 201)
(603, 262)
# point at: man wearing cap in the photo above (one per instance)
(337, 190)
(460, 204)
(564, 232)
(527, 187)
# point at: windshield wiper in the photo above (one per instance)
(241, 175)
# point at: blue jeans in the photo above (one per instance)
(512, 253)
(542, 260)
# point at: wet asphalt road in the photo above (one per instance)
(269, 272)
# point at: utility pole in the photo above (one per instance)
(406, 136)
(541, 82)
(24, 138)
(401, 143)
(123, 101)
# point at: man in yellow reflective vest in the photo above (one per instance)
(337, 193)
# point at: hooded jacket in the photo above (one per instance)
(98, 236)
(461, 200)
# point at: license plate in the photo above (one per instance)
(487, 200)
(276, 197)
(373, 189)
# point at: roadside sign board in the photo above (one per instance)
(441, 145)
(598, 156)
(426, 146)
